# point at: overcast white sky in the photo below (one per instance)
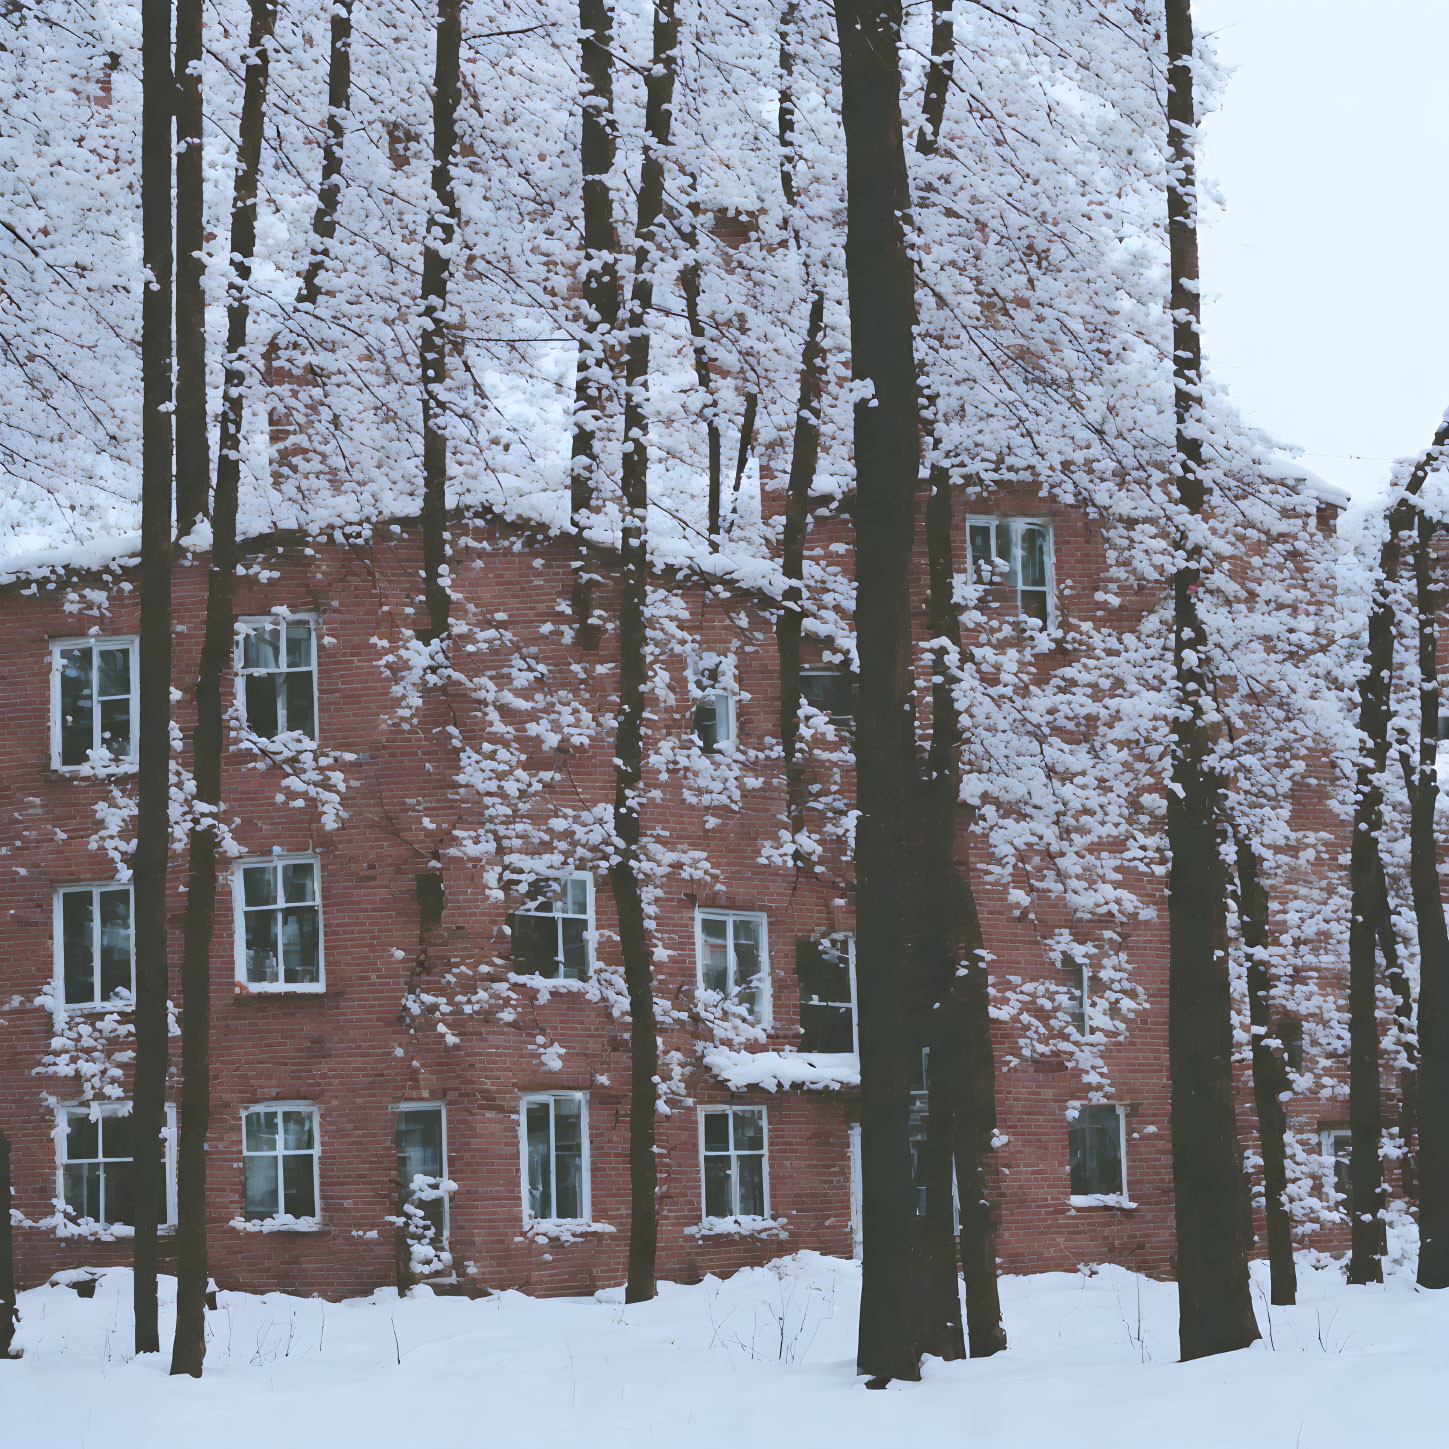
(1327, 278)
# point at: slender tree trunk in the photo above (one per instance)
(633, 669)
(9, 1306)
(881, 284)
(189, 1349)
(1214, 1298)
(689, 285)
(433, 349)
(329, 189)
(193, 460)
(1398, 982)
(1270, 1079)
(154, 725)
(600, 285)
(1432, 1096)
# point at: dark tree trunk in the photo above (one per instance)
(148, 1107)
(189, 1349)
(193, 458)
(1214, 1298)
(600, 285)
(1270, 1079)
(433, 349)
(881, 284)
(1398, 982)
(689, 285)
(9, 1306)
(633, 670)
(1432, 1096)
(329, 190)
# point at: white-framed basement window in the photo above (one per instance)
(421, 1132)
(732, 949)
(278, 910)
(276, 664)
(553, 1132)
(95, 956)
(1016, 553)
(734, 1162)
(1097, 1152)
(714, 705)
(553, 935)
(281, 1161)
(95, 1151)
(94, 701)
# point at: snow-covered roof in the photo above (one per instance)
(1292, 471)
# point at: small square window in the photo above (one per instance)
(1078, 976)
(277, 674)
(732, 1147)
(1336, 1144)
(97, 1165)
(555, 1141)
(95, 954)
(551, 937)
(834, 692)
(1095, 1134)
(280, 1152)
(714, 713)
(826, 972)
(279, 924)
(733, 960)
(94, 693)
(422, 1167)
(1015, 553)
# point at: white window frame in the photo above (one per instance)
(853, 1055)
(1080, 977)
(586, 1190)
(64, 1110)
(239, 914)
(255, 622)
(94, 642)
(278, 1154)
(766, 1016)
(764, 1155)
(559, 916)
(62, 1006)
(1016, 523)
(1326, 1137)
(441, 1108)
(1087, 1199)
(723, 696)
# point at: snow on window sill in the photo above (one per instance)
(280, 988)
(788, 1070)
(563, 1230)
(739, 1227)
(278, 1223)
(1101, 1200)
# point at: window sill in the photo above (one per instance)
(280, 1223)
(564, 1231)
(255, 988)
(738, 1227)
(1116, 1200)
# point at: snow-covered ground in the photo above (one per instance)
(762, 1359)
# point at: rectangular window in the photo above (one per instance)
(733, 959)
(831, 691)
(1336, 1144)
(1079, 987)
(826, 971)
(97, 1165)
(96, 963)
(551, 937)
(714, 714)
(280, 1158)
(93, 700)
(422, 1165)
(1015, 553)
(279, 924)
(1095, 1141)
(277, 669)
(736, 1184)
(555, 1156)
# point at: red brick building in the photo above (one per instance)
(385, 1004)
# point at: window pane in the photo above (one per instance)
(540, 1174)
(569, 1188)
(298, 688)
(576, 898)
(575, 947)
(747, 964)
(707, 724)
(1006, 551)
(419, 1144)
(717, 1198)
(118, 1135)
(113, 673)
(298, 882)
(714, 941)
(980, 547)
(1095, 1150)
(115, 942)
(261, 1186)
(82, 1137)
(299, 645)
(120, 1198)
(261, 1131)
(82, 1187)
(76, 702)
(1034, 604)
(259, 883)
(716, 1131)
(261, 946)
(259, 648)
(77, 920)
(300, 956)
(535, 944)
(261, 699)
(298, 1131)
(752, 1185)
(116, 727)
(1033, 557)
(749, 1131)
(825, 1028)
(299, 1189)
